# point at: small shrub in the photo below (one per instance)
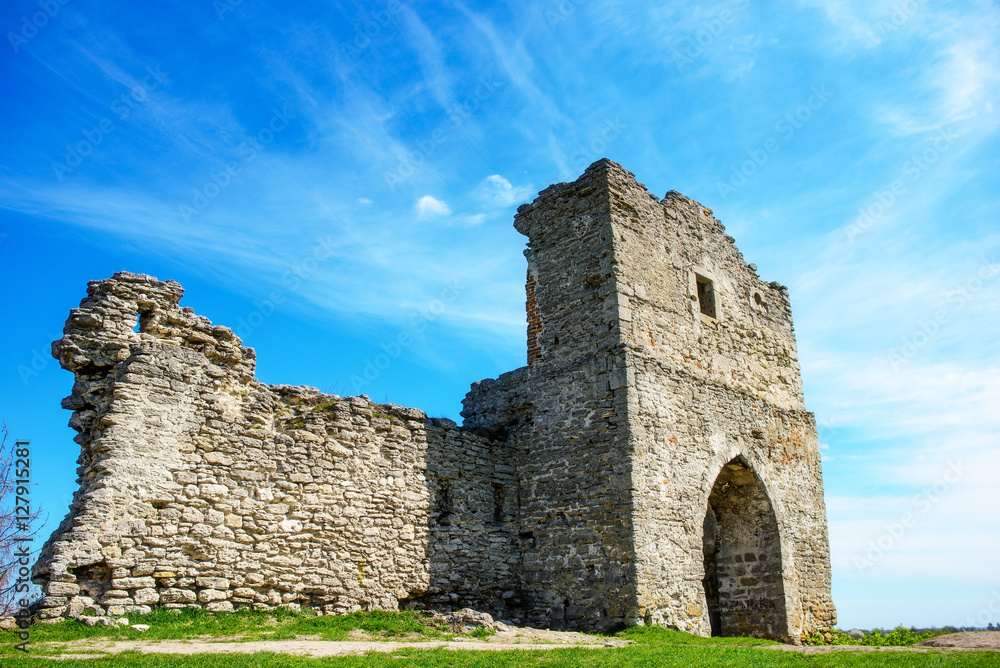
(899, 637)
(482, 632)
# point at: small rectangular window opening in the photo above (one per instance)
(706, 296)
(142, 321)
(499, 492)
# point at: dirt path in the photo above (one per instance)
(358, 642)
(517, 639)
(974, 640)
(315, 648)
(958, 642)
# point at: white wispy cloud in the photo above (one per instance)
(904, 402)
(963, 76)
(430, 54)
(517, 63)
(430, 207)
(499, 191)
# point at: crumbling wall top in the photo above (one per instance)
(128, 309)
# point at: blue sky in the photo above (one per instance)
(325, 177)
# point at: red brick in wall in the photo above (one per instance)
(534, 322)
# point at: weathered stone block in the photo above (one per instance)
(133, 583)
(212, 582)
(59, 589)
(54, 602)
(219, 606)
(145, 596)
(192, 515)
(178, 596)
(79, 604)
(207, 595)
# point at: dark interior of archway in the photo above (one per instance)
(744, 591)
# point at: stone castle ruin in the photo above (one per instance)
(653, 462)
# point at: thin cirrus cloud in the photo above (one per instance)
(498, 191)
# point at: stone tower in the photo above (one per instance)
(668, 470)
(653, 462)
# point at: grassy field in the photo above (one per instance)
(655, 646)
(245, 625)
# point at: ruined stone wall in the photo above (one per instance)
(653, 462)
(705, 390)
(201, 486)
(566, 413)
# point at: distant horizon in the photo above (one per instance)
(330, 179)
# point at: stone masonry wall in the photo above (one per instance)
(201, 486)
(704, 391)
(636, 401)
(566, 414)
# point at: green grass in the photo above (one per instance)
(662, 648)
(656, 635)
(482, 633)
(244, 625)
(663, 656)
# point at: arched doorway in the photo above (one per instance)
(744, 590)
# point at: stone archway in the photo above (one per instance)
(744, 590)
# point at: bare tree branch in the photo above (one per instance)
(14, 527)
